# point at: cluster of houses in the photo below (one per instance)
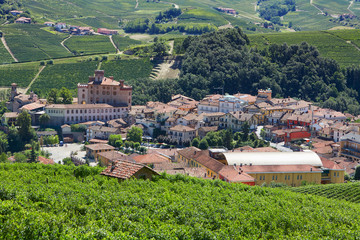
(78, 30)
(104, 107)
(226, 10)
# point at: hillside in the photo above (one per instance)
(39, 201)
(347, 191)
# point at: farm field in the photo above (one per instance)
(346, 191)
(128, 69)
(90, 44)
(21, 74)
(123, 42)
(63, 75)
(31, 43)
(329, 45)
(5, 57)
(352, 35)
(48, 201)
(333, 7)
(202, 16)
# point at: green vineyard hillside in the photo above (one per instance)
(63, 202)
(347, 191)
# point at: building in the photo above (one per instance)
(17, 100)
(123, 170)
(230, 103)
(350, 146)
(182, 134)
(151, 159)
(101, 89)
(107, 31)
(108, 157)
(16, 12)
(9, 118)
(210, 104)
(77, 113)
(59, 26)
(235, 120)
(23, 20)
(93, 150)
(100, 132)
(49, 24)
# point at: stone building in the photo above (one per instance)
(101, 89)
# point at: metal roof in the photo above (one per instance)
(273, 158)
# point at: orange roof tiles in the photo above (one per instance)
(151, 158)
(124, 169)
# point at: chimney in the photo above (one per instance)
(111, 77)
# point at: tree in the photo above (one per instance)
(245, 129)
(66, 96)
(20, 158)
(15, 143)
(203, 145)
(53, 96)
(3, 158)
(135, 134)
(67, 161)
(25, 131)
(44, 119)
(113, 138)
(33, 153)
(357, 173)
(195, 142)
(3, 142)
(228, 139)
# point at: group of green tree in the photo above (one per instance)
(8, 5)
(227, 138)
(133, 140)
(152, 27)
(168, 15)
(273, 10)
(63, 96)
(157, 49)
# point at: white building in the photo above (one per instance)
(230, 103)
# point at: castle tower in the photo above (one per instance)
(13, 93)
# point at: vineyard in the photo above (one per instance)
(48, 202)
(31, 43)
(347, 191)
(5, 57)
(128, 69)
(21, 74)
(328, 44)
(63, 75)
(124, 42)
(90, 44)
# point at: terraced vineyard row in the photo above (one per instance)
(347, 191)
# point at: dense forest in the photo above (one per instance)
(272, 10)
(223, 59)
(65, 202)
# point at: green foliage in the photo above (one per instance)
(135, 134)
(168, 15)
(26, 132)
(90, 44)
(65, 95)
(51, 140)
(123, 43)
(33, 154)
(3, 158)
(15, 143)
(48, 201)
(78, 128)
(31, 43)
(63, 75)
(4, 143)
(344, 191)
(53, 96)
(203, 145)
(357, 173)
(44, 119)
(272, 10)
(67, 161)
(195, 142)
(21, 74)
(115, 140)
(20, 157)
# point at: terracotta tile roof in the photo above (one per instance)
(10, 115)
(94, 147)
(32, 106)
(181, 128)
(189, 152)
(78, 106)
(44, 160)
(209, 129)
(150, 158)
(124, 169)
(204, 159)
(234, 175)
(112, 155)
(103, 129)
(330, 164)
(95, 140)
(279, 168)
(241, 116)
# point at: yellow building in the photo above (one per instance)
(107, 157)
(93, 150)
(291, 175)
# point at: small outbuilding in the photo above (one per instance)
(124, 170)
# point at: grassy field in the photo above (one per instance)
(128, 69)
(346, 191)
(5, 57)
(61, 202)
(352, 35)
(333, 6)
(63, 75)
(31, 43)
(123, 42)
(21, 74)
(202, 16)
(329, 45)
(90, 44)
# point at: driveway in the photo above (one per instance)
(59, 153)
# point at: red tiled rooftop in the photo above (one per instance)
(123, 169)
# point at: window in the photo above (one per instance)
(260, 177)
(338, 174)
(297, 177)
(263, 177)
(334, 174)
(275, 177)
(300, 177)
(80, 111)
(285, 177)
